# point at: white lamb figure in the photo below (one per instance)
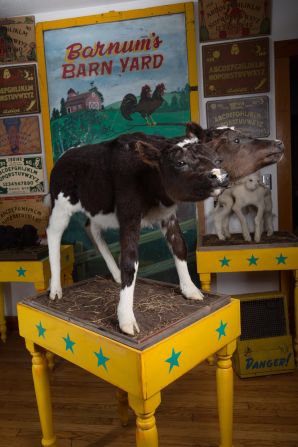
(246, 192)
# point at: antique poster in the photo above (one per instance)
(18, 90)
(19, 135)
(25, 210)
(233, 19)
(236, 68)
(21, 175)
(117, 73)
(107, 79)
(250, 115)
(17, 40)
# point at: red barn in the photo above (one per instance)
(82, 101)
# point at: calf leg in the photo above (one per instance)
(129, 238)
(173, 235)
(95, 233)
(58, 222)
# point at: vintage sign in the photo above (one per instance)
(232, 19)
(236, 68)
(250, 115)
(21, 175)
(18, 90)
(19, 135)
(28, 210)
(17, 39)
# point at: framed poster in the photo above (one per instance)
(250, 115)
(25, 210)
(21, 175)
(18, 90)
(236, 68)
(233, 19)
(95, 70)
(19, 135)
(17, 40)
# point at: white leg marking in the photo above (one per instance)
(188, 288)
(59, 220)
(105, 251)
(126, 318)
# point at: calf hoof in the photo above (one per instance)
(128, 325)
(55, 293)
(191, 292)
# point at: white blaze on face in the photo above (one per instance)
(218, 173)
(188, 141)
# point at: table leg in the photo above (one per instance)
(205, 280)
(43, 394)
(224, 379)
(122, 398)
(2, 316)
(296, 314)
(146, 431)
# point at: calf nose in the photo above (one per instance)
(219, 176)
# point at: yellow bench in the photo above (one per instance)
(141, 366)
(18, 267)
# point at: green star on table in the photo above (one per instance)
(281, 259)
(225, 262)
(252, 260)
(101, 359)
(41, 330)
(21, 272)
(173, 360)
(69, 343)
(221, 330)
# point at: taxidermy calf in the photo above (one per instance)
(244, 194)
(132, 181)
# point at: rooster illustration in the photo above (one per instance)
(147, 104)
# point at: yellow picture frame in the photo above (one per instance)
(42, 27)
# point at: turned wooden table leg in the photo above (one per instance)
(2, 316)
(296, 314)
(205, 280)
(146, 430)
(225, 393)
(43, 394)
(122, 398)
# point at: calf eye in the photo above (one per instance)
(218, 162)
(180, 163)
(236, 140)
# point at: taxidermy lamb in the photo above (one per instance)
(245, 193)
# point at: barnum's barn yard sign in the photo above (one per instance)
(230, 19)
(251, 115)
(117, 73)
(18, 90)
(236, 68)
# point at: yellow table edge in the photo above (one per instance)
(141, 373)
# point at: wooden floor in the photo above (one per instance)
(85, 413)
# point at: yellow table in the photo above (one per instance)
(139, 369)
(279, 253)
(36, 271)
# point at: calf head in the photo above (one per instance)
(240, 155)
(189, 171)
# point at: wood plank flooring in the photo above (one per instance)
(85, 408)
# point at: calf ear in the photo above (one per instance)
(148, 153)
(194, 130)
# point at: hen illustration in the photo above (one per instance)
(147, 103)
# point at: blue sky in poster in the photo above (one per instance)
(124, 78)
